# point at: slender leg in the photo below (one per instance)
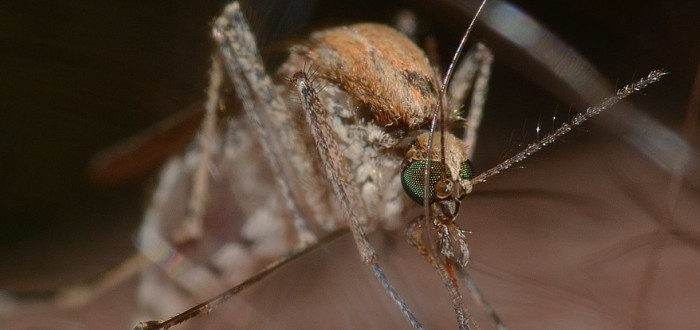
(476, 107)
(476, 69)
(461, 85)
(151, 241)
(481, 301)
(210, 304)
(179, 281)
(80, 295)
(192, 228)
(260, 101)
(341, 179)
(414, 233)
(177, 176)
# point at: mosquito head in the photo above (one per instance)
(450, 172)
(439, 172)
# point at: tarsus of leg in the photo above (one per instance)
(481, 301)
(210, 304)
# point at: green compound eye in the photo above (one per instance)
(412, 179)
(466, 172)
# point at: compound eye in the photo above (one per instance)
(412, 179)
(466, 171)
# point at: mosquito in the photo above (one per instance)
(373, 120)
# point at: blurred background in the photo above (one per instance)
(78, 77)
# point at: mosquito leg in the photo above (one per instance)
(341, 179)
(479, 298)
(475, 69)
(414, 233)
(192, 228)
(476, 107)
(81, 294)
(182, 189)
(260, 101)
(461, 84)
(210, 304)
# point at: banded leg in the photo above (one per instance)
(164, 216)
(342, 181)
(180, 275)
(472, 77)
(415, 234)
(210, 304)
(261, 102)
(192, 228)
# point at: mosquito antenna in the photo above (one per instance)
(578, 119)
(438, 109)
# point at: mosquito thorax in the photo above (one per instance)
(379, 67)
(449, 178)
